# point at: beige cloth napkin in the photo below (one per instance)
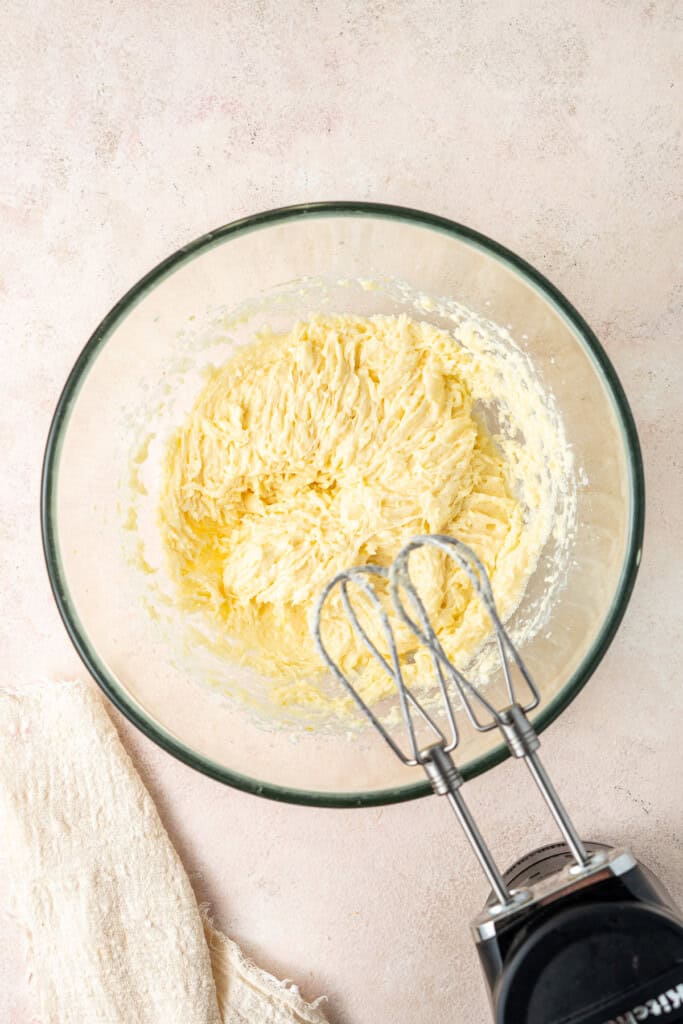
(114, 932)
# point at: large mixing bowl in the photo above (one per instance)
(145, 361)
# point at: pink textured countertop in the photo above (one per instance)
(131, 128)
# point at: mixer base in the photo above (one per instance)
(602, 945)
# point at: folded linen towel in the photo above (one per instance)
(114, 932)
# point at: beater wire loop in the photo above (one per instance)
(435, 756)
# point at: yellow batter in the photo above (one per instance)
(329, 447)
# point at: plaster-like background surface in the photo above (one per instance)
(129, 128)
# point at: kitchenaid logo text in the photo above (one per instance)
(670, 1000)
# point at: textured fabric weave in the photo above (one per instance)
(114, 932)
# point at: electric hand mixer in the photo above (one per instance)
(573, 933)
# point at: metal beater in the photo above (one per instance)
(550, 939)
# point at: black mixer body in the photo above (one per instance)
(602, 945)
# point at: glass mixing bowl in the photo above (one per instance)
(144, 363)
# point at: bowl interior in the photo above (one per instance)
(140, 373)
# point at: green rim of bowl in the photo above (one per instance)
(109, 684)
